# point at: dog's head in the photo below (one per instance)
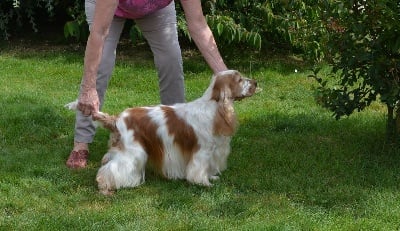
(231, 85)
(228, 86)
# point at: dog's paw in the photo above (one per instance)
(206, 183)
(202, 182)
(214, 178)
(104, 187)
(107, 192)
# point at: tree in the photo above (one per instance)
(254, 24)
(364, 43)
(16, 13)
(224, 21)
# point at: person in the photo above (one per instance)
(158, 23)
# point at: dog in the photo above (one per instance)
(183, 141)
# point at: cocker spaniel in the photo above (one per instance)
(183, 141)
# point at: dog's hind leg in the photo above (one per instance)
(124, 169)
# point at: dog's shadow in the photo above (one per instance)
(312, 158)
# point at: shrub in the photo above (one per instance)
(17, 13)
(365, 45)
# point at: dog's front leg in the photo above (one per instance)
(198, 169)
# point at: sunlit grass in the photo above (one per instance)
(292, 166)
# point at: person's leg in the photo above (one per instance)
(160, 31)
(84, 128)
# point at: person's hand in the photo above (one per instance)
(88, 102)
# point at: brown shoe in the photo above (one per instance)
(77, 159)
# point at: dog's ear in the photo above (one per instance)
(225, 119)
(216, 91)
(221, 90)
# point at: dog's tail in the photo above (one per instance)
(73, 106)
(100, 118)
(105, 120)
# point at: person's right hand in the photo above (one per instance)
(88, 102)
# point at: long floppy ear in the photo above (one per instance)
(225, 119)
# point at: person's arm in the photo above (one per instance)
(88, 101)
(202, 35)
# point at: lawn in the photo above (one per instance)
(292, 166)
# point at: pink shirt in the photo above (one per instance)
(134, 9)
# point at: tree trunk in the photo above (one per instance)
(393, 124)
(391, 128)
(397, 128)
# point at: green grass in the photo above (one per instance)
(292, 166)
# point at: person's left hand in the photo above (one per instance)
(88, 102)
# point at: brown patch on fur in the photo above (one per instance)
(115, 141)
(225, 121)
(184, 136)
(145, 132)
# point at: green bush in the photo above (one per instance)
(16, 13)
(365, 45)
(76, 27)
(255, 24)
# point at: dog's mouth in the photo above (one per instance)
(253, 89)
(239, 98)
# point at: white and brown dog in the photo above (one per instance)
(183, 141)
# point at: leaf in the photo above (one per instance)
(257, 41)
(233, 33)
(220, 28)
(71, 29)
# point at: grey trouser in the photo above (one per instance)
(160, 31)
